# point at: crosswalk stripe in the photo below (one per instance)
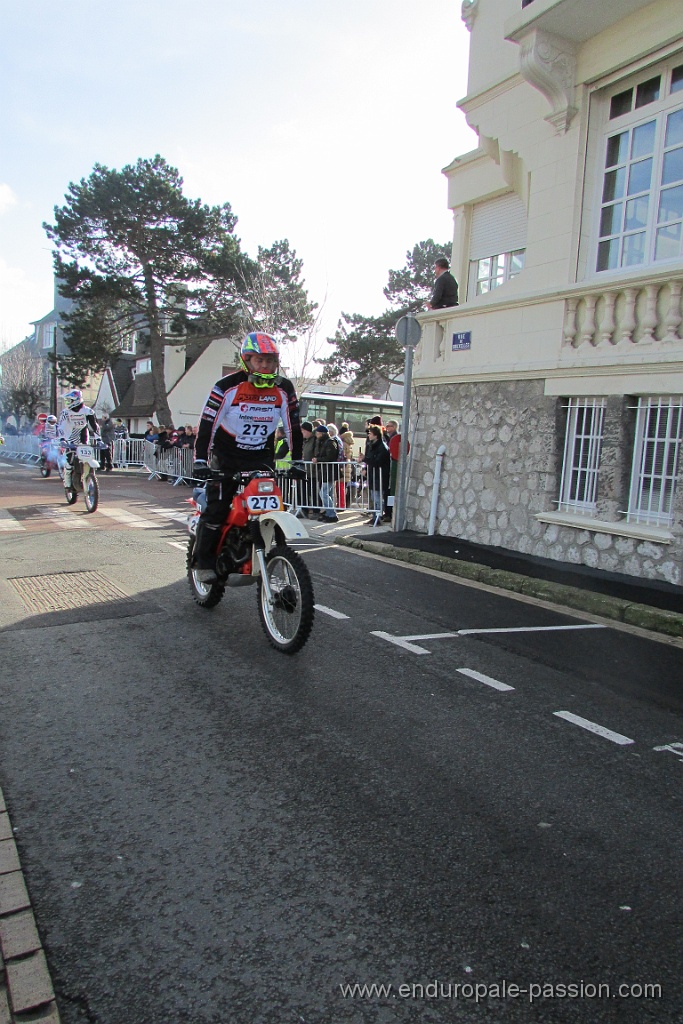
(120, 515)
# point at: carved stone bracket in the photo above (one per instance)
(548, 62)
(468, 12)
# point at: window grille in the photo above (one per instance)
(655, 460)
(583, 441)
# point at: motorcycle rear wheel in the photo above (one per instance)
(45, 471)
(288, 623)
(206, 595)
(91, 491)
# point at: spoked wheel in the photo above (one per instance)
(91, 491)
(206, 595)
(71, 495)
(289, 621)
(45, 470)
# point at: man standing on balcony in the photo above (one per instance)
(446, 288)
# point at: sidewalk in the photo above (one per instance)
(648, 604)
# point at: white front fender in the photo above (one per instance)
(292, 528)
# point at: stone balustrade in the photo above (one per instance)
(639, 312)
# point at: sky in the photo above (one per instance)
(324, 123)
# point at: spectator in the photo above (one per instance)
(119, 450)
(179, 437)
(307, 486)
(394, 441)
(341, 458)
(283, 456)
(108, 433)
(163, 444)
(151, 434)
(326, 457)
(189, 439)
(377, 461)
(347, 439)
(446, 287)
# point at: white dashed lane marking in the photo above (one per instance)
(599, 730)
(487, 680)
(330, 611)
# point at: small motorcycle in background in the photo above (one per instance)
(51, 457)
(253, 548)
(80, 474)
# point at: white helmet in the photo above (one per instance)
(72, 399)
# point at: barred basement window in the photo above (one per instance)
(583, 441)
(655, 460)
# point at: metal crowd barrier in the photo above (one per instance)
(338, 486)
(22, 447)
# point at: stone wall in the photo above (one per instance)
(503, 462)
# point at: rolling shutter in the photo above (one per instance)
(498, 225)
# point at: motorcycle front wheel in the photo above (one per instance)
(288, 622)
(206, 595)
(91, 491)
(45, 470)
(71, 495)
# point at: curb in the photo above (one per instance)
(656, 620)
(26, 991)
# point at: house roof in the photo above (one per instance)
(121, 375)
(138, 399)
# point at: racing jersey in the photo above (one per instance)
(49, 432)
(239, 420)
(76, 425)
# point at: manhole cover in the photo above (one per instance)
(65, 591)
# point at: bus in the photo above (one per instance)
(349, 409)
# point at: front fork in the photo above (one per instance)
(260, 553)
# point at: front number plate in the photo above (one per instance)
(84, 451)
(264, 503)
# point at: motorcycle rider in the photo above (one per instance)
(236, 432)
(77, 425)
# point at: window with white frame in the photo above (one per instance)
(641, 201)
(655, 460)
(129, 341)
(492, 271)
(582, 445)
(497, 242)
(49, 331)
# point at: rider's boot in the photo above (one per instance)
(204, 551)
(67, 476)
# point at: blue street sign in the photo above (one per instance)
(461, 341)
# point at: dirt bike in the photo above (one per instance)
(51, 457)
(81, 476)
(253, 548)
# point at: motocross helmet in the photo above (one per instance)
(73, 399)
(256, 344)
(51, 419)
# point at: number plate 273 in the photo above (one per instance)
(264, 503)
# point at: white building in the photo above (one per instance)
(557, 385)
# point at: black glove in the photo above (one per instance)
(200, 470)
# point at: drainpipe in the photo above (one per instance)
(440, 452)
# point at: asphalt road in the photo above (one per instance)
(447, 792)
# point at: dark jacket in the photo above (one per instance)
(445, 291)
(377, 460)
(326, 449)
(308, 450)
